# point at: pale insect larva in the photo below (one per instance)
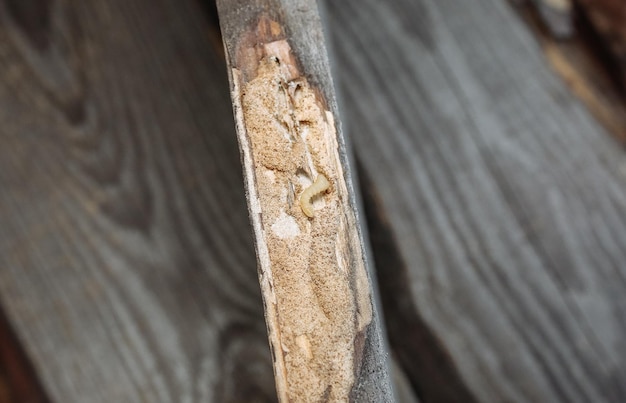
(320, 185)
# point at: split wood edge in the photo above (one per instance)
(313, 278)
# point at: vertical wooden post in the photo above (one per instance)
(323, 326)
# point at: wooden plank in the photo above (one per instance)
(126, 260)
(323, 326)
(502, 200)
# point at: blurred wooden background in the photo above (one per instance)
(490, 154)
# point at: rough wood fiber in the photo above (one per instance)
(503, 198)
(308, 274)
(503, 203)
(322, 328)
(126, 259)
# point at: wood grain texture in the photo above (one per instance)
(323, 327)
(497, 203)
(126, 259)
(503, 198)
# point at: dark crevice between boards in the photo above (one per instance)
(421, 355)
(586, 65)
(18, 380)
(585, 37)
(246, 374)
(598, 47)
(209, 7)
(33, 18)
(210, 10)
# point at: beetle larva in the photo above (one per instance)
(320, 185)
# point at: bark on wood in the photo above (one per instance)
(322, 323)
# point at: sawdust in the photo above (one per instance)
(312, 266)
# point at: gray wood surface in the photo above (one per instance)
(499, 204)
(126, 261)
(126, 258)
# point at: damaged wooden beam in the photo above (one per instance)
(321, 314)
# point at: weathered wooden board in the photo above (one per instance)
(499, 203)
(495, 202)
(320, 308)
(126, 258)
